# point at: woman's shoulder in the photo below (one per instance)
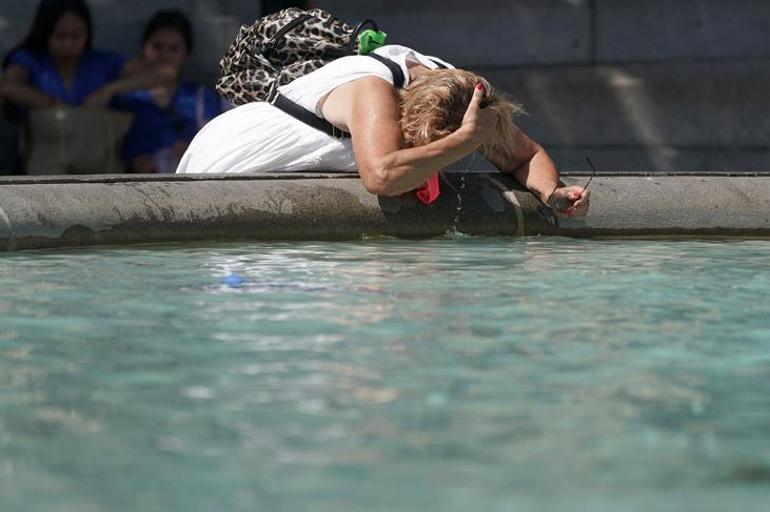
(26, 58)
(352, 62)
(307, 90)
(399, 53)
(348, 66)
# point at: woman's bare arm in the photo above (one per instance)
(15, 86)
(532, 167)
(528, 162)
(368, 108)
(136, 75)
(16, 89)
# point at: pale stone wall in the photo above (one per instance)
(634, 84)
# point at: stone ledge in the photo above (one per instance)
(65, 212)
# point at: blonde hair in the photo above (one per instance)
(434, 104)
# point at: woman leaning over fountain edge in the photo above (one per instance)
(399, 138)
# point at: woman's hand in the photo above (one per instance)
(15, 87)
(570, 202)
(478, 123)
(369, 108)
(100, 98)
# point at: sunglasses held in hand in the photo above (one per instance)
(593, 173)
(547, 212)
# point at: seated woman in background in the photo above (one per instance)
(55, 63)
(167, 116)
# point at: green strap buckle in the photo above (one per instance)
(369, 40)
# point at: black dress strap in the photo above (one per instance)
(440, 65)
(395, 69)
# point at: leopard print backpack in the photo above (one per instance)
(281, 47)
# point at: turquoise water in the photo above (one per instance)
(452, 375)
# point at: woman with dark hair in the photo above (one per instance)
(56, 64)
(167, 116)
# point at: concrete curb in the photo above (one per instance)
(64, 211)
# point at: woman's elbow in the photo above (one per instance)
(377, 181)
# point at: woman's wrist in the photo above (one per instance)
(546, 199)
(546, 194)
(468, 136)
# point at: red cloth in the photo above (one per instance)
(430, 191)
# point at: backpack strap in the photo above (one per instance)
(357, 31)
(300, 113)
(268, 48)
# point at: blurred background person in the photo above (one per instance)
(166, 116)
(55, 65)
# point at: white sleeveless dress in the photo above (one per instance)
(258, 137)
